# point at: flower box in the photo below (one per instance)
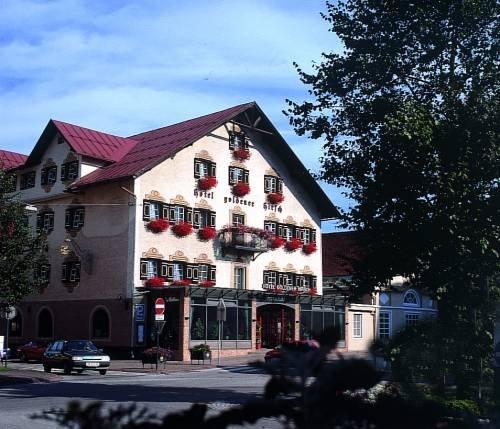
(207, 233)
(181, 282)
(293, 245)
(182, 229)
(207, 283)
(241, 189)
(158, 225)
(206, 183)
(276, 242)
(313, 291)
(241, 154)
(155, 282)
(309, 248)
(275, 198)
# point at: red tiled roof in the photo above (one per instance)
(93, 143)
(155, 146)
(340, 250)
(9, 160)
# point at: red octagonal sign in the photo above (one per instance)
(159, 306)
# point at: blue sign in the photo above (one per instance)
(139, 312)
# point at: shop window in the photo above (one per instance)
(45, 222)
(273, 184)
(412, 319)
(45, 324)
(357, 328)
(27, 180)
(100, 324)
(75, 218)
(237, 141)
(71, 272)
(204, 168)
(237, 175)
(16, 325)
(384, 324)
(69, 171)
(48, 176)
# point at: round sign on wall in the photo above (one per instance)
(159, 306)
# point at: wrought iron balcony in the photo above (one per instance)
(244, 240)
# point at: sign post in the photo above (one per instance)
(8, 314)
(221, 318)
(159, 319)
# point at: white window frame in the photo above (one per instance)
(177, 274)
(411, 304)
(238, 175)
(412, 319)
(357, 325)
(237, 216)
(154, 210)
(389, 324)
(239, 278)
(203, 272)
(151, 269)
(179, 214)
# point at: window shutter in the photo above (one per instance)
(164, 269)
(43, 177)
(196, 218)
(189, 215)
(146, 210)
(39, 222)
(298, 232)
(231, 176)
(82, 217)
(195, 273)
(77, 272)
(144, 270)
(246, 175)
(64, 274)
(172, 214)
(267, 187)
(313, 282)
(280, 186)
(189, 272)
(212, 219)
(67, 218)
(231, 141)
(213, 169)
(170, 271)
(196, 169)
(313, 235)
(212, 272)
(246, 142)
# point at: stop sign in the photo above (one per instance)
(159, 306)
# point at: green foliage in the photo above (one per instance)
(201, 348)
(409, 113)
(21, 250)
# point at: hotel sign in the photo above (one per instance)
(284, 288)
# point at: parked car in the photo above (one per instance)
(31, 351)
(78, 355)
(302, 346)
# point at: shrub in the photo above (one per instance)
(201, 348)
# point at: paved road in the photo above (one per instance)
(159, 393)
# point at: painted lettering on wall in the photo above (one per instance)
(237, 200)
(272, 207)
(203, 194)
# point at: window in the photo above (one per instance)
(286, 231)
(269, 277)
(411, 319)
(237, 175)
(238, 219)
(45, 324)
(178, 272)
(171, 271)
(42, 273)
(273, 184)
(203, 168)
(315, 318)
(177, 214)
(100, 324)
(384, 324)
(357, 329)
(75, 218)
(48, 176)
(69, 171)
(285, 279)
(411, 299)
(270, 226)
(239, 278)
(71, 272)
(45, 222)
(152, 210)
(203, 218)
(237, 141)
(203, 273)
(150, 268)
(27, 180)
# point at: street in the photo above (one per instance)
(218, 387)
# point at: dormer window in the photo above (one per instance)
(48, 176)
(69, 171)
(238, 141)
(27, 180)
(411, 299)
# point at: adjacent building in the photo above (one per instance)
(216, 207)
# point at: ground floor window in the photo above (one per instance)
(45, 325)
(204, 325)
(411, 319)
(100, 324)
(315, 318)
(384, 324)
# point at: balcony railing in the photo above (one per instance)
(244, 239)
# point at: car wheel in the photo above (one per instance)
(23, 358)
(47, 368)
(102, 371)
(67, 368)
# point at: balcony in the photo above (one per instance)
(244, 241)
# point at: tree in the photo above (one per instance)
(21, 250)
(409, 115)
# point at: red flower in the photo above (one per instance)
(293, 292)
(293, 244)
(206, 183)
(207, 283)
(181, 282)
(309, 248)
(241, 154)
(207, 233)
(313, 291)
(277, 242)
(154, 282)
(182, 229)
(241, 189)
(158, 225)
(275, 198)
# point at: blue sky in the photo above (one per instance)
(125, 67)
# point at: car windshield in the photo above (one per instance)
(83, 346)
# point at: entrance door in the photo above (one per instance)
(277, 324)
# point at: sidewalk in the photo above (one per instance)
(16, 376)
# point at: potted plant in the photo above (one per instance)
(207, 233)
(158, 225)
(207, 182)
(241, 154)
(293, 244)
(182, 229)
(276, 242)
(275, 197)
(241, 189)
(309, 248)
(201, 352)
(154, 282)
